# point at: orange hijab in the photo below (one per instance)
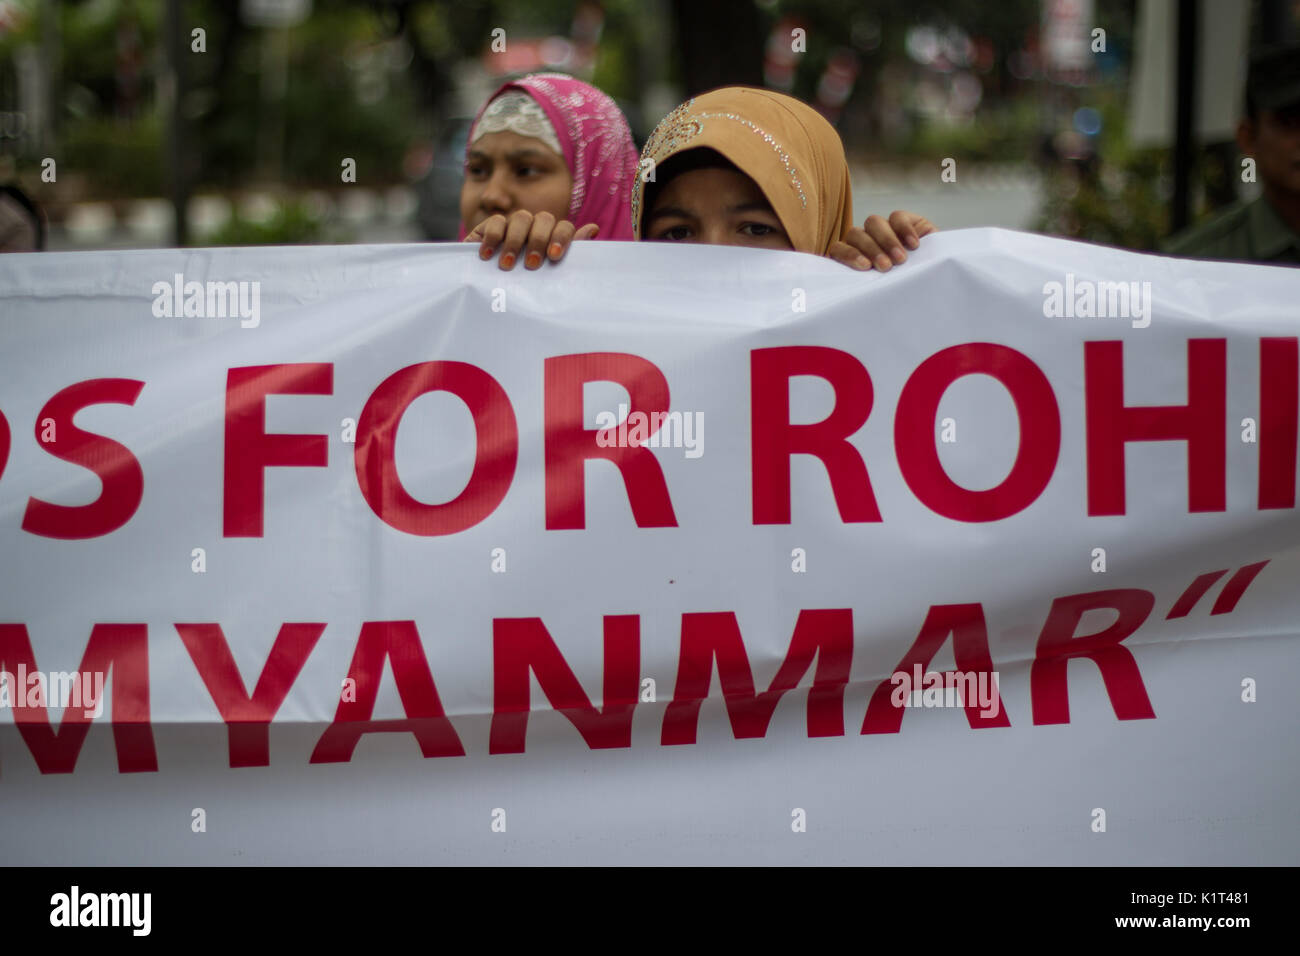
(785, 146)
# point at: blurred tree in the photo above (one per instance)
(291, 223)
(109, 141)
(719, 43)
(439, 34)
(347, 96)
(1120, 197)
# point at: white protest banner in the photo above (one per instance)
(660, 555)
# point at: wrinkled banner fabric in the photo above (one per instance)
(660, 555)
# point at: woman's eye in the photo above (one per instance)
(528, 172)
(676, 233)
(757, 229)
(476, 172)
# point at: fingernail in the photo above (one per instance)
(485, 253)
(508, 260)
(913, 242)
(533, 260)
(898, 254)
(555, 250)
(862, 262)
(883, 263)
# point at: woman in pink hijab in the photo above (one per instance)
(549, 159)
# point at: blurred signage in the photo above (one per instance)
(1067, 27)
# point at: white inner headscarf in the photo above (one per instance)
(514, 111)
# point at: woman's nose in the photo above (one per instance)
(718, 234)
(496, 197)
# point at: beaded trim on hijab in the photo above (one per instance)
(588, 120)
(681, 126)
(514, 111)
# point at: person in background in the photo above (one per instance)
(549, 159)
(1266, 229)
(746, 166)
(22, 228)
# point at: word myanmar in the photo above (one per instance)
(524, 652)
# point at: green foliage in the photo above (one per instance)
(1120, 198)
(347, 94)
(293, 223)
(1005, 133)
(534, 17)
(1119, 206)
(116, 158)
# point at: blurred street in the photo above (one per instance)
(264, 122)
(1006, 195)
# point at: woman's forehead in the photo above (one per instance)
(507, 143)
(711, 187)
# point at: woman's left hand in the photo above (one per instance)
(879, 243)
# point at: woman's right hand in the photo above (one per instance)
(537, 237)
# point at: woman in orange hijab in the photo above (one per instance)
(745, 166)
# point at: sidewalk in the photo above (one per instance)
(995, 195)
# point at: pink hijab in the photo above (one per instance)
(597, 145)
